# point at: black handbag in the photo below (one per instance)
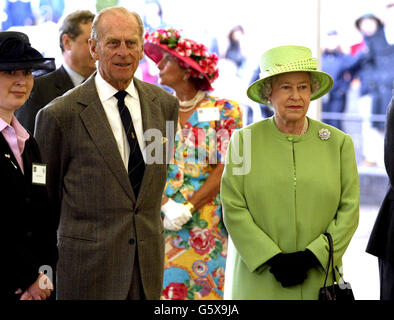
(337, 291)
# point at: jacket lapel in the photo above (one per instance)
(96, 123)
(8, 157)
(151, 119)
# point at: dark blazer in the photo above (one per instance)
(101, 222)
(28, 235)
(381, 241)
(45, 89)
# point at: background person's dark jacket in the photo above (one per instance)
(377, 73)
(381, 241)
(341, 67)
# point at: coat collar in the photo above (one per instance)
(7, 156)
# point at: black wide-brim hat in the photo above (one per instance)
(16, 53)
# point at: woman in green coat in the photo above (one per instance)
(288, 179)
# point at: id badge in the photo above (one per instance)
(39, 173)
(208, 114)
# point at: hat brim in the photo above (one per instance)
(325, 80)
(34, 64)
(155, 52)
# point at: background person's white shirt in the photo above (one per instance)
(75, 77)
(110, 103)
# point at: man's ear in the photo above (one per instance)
(93, 49)
(66, 40)
(142, 52)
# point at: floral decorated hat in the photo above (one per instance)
(288, 59)
(195, 56)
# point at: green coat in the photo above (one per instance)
(297, 188)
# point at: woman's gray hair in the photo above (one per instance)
(266, 89)
(266, 86)
(315, 83)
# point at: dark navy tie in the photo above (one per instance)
(136, 166)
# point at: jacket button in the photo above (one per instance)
(27, 200)
(131, 241)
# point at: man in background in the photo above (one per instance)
(77, 66)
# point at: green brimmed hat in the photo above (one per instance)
(288, 59)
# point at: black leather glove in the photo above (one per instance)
(291, 268)
(286, 269)
(308, 260)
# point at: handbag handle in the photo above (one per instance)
(330, 260)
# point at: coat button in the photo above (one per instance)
(131, 241)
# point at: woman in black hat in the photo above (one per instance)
(28, 236)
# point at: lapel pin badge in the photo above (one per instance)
(7, 155)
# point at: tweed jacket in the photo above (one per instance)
(28, 237)
(45, 89)
(102, 224)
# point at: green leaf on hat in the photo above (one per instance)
(172, 42)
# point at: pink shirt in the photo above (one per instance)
(16, 136)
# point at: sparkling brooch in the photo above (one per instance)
(324, 134)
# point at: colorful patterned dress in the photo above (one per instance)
(195, 256)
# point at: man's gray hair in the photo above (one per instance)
(95, 35)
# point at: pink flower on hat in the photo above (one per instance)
(200, 50)
(184, 48)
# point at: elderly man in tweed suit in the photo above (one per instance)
(107, 193)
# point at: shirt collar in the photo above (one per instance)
(3, 124)
(76, 78)
(19, 129)
(106, 91)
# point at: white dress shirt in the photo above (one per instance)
(75, 77)
(106, 94)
